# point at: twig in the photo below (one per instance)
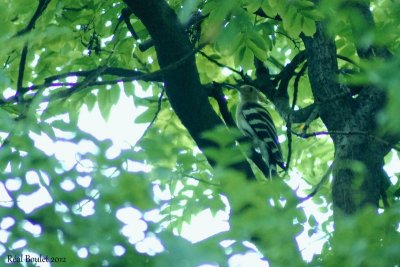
(289, 121)
(294, 41)
(153, 76)
(200, 180)
(348, 60)
(20, 90)
(296, 84)
(319, 185)
(125, 14)
(89, 80)
(313, 115)
(366, 134)
(275, 62)
(215, 92)
(7, 61)
(287, 73)
(73, 9)
(39, 11)
(84, 73)
(154, 117)
(222, 65)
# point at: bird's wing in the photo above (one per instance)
(261, 126)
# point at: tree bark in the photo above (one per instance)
(186, 94)
(353, 187)
(358, 176)
(183, 88)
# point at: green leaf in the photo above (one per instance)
(292, 22)
(90, 101)
(304, 4)
(257, 44)
(312, 221)
(301, 217)
(4, 80)
(225, 156)
(268, 9)
(222, 135)
(229, 40)
(104, 102)
(253, 5)
(129, 89)
(147, 116)
(248, 59)
(114, 95)
(239, 56)
(308, 26)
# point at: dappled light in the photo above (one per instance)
(199, 133)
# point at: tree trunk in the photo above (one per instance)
(358, 176)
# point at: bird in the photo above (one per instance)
(255, 122)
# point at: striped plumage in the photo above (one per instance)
(255, 122)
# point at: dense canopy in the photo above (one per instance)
(326, 70)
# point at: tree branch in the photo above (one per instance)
(153, 76)
(125, 14)
(289, 120)
(185, 92)
(280, 97)
(371, 99)
(344, 58)
(319, 185)
(159, 103)
(287, 73)
(215, 91)
(195, 19)
(121, 72)
(362, 21)
(20, 90)
(339, 112)
(39, 11)
(348, 133)
(323, 73)
(240, 73)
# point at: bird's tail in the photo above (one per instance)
(269, 160)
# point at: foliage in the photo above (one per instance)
(77, 207)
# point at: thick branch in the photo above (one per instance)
(341, 113)
(349, 133)
(39, 11)
(21, 70)
(41, 7)
(323, 73)
(215, 91)
(186, 95)
(153, 76)
(195, 19)
(371, 99)
(130, 76)
(287, 73)
(361, 22)
(279, 96)
(108, 71)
